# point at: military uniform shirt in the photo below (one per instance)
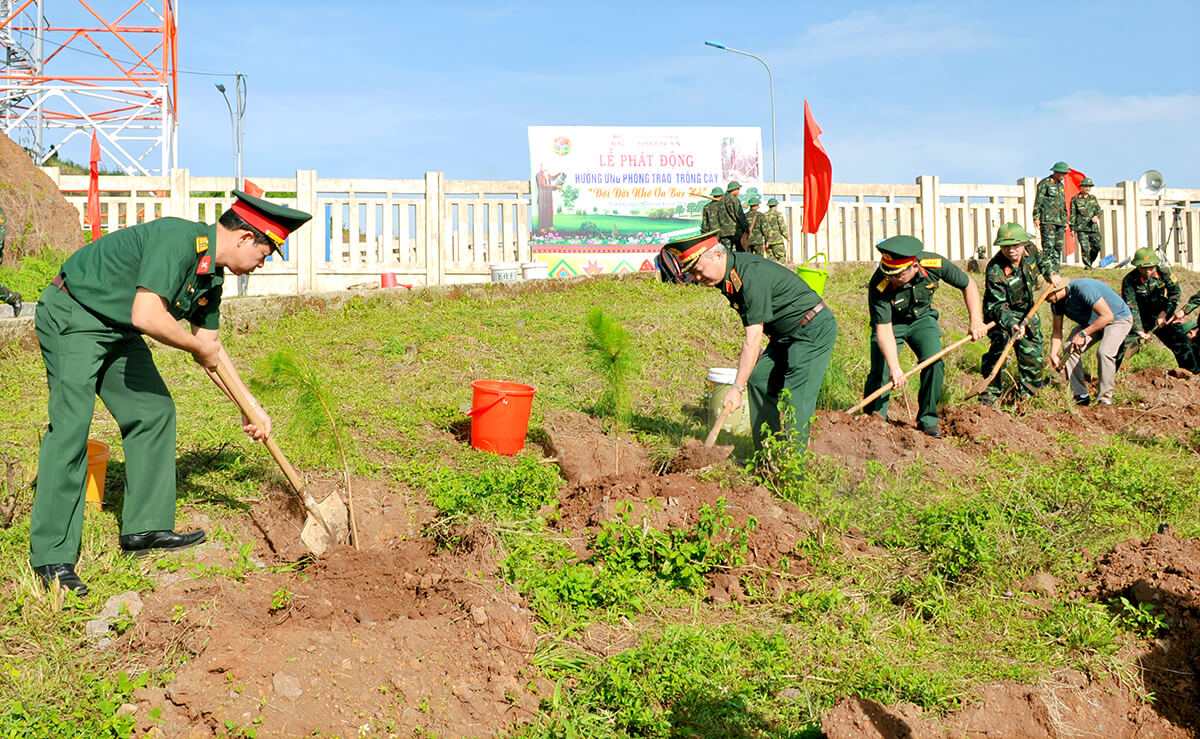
(171, 257)
(1009, 291)
(710, 217)
(1050, 204)
(733, 218)
(766, 292)
(775, 227)
(1149, 296)
(914, 300)
(1083, 209)
(758, 228)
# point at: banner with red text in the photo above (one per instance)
(633, 185)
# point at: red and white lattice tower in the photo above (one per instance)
(112, 74)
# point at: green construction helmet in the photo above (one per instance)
(772, 202)
(1012, 234)
(1060, 167)
(1145, 257)
(1086, 182)
(752, 200)
(733, 185)
(717, 192)
(1187, 326)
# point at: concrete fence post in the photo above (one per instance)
(180, 197)
(930, 212)
(1128, 241)
(435, 265)
(1028, 195)
(307, 240)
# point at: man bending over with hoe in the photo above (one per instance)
(90, 322)
(1103, 318)
(772, 301)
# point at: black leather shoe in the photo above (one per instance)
(1084, 399)
(147, 541)
(932, 431)
(16, 304)
(63, 575)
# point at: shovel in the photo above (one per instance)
(982, 384)
(243, 403)
(716, 429)
(928, 361)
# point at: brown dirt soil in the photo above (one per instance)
(397, 632)
(38, 214)
(693, 455)
(855, 440)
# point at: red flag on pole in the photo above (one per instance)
(251, 189)
(1071, 189)
(93, 201)
(818, 175)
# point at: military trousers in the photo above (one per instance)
(1052, 245)
(1091, 244)
(85, 356)
(925, 338)
(1028, 349)
(777, 251)
(797, 363)
(1174, 338)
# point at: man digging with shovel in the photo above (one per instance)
(90, 321)
(1103, 318)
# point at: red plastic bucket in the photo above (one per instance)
(500, 415)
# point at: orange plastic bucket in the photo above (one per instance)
(98, 454)
(500, 415)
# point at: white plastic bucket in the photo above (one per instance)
(505, 271)
(535, 270)
(720, 380)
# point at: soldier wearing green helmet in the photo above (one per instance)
(1010, 287)
(710, 217)
(734, 228)
(1050, 217)
(1152, 292)
(757, 234)
(776, 232)
(1085, 223)
(7, 296)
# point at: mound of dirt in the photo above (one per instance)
(585, 453)
(989, 428)
(399, 637)
(38, 215)
(854, 440)
(693, 455)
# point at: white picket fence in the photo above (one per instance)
(434, 231)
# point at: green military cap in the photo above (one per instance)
(1012, 234)
(772, 203)
(733, 185)
(901, 246)
(717, 192)
(1145, 257)
(688, 250)
(753, 200)
(1060, 167)
(1187, 326)
(274, 220)
(1087, 182)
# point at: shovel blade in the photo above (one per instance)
(337, 515)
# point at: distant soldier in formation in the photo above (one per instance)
(776, 232)
(1050, 216)
(900, 299)
(1103, 318)
(734, 226)
(6, 295)
(1152, 293)
(710, 217)
(757, 232)
(1010, 287)
(1085, 223)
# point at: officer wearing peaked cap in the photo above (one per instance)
(900, 299)
(90, 321)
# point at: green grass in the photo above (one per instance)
(626, 225)
(925, 621)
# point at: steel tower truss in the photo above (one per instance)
(123, 85)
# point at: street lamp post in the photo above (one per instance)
(235, 121)
(771, 81)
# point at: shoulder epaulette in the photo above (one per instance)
(735, 278)
(882, 285)
(935, 262)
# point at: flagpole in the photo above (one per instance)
(771, 82)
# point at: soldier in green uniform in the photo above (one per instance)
(900, 300)
(6, 295)
(757, 232)
(710, 218)
(776, 229)
(1152, 293)
(734, 225)
(1050, 216)
(772, 301)
(1010, 287)
(1085, 222)
(90, 320)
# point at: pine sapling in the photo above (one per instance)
(613, 357)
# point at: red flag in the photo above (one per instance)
(1071, 189)
(251, 189)
(818, 175)
(93, 201)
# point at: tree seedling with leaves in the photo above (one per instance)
(613, 357)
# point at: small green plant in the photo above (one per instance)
(613, 357)
(1139, 618)
(281, 599)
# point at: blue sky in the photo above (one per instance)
(973, 92)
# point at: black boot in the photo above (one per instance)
(145, 542)
(63, 576)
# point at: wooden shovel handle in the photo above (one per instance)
(928, 361)
(716, 429)
(1037, 303)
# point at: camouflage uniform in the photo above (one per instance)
(1008, 296)
(6, 295)
(1087, 232)
(733, 222)
(710, 217)
(776, 233)
(1050, 210)
(757, 231)
(1147, 298)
